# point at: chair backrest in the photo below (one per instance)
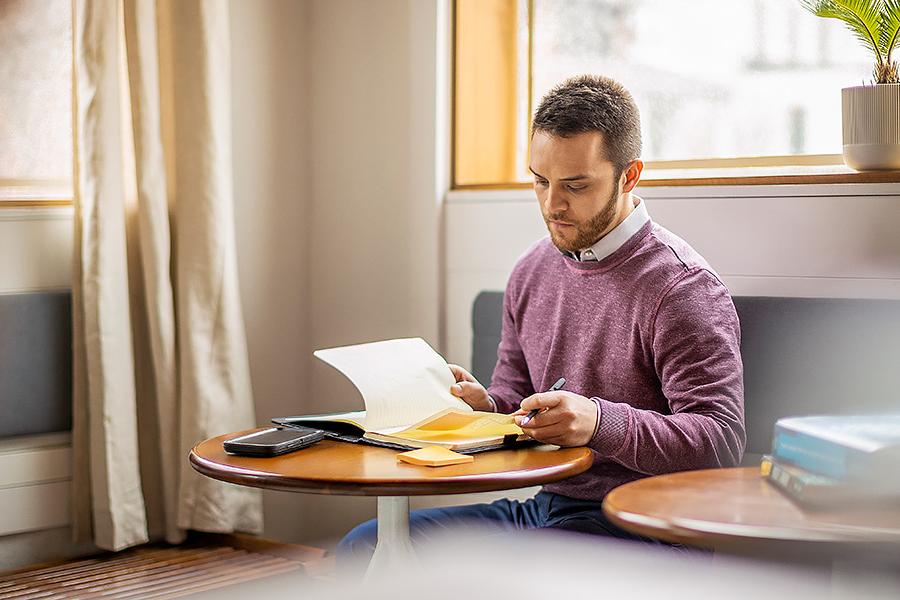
(801, 356)
(35, 363)
(487, 323)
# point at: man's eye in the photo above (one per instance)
(576, 188)
(541, 182)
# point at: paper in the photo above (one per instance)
(455, 426)
(434, 456)
(401, 381)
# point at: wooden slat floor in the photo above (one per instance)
(159, 571)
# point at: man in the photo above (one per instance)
(638, 323)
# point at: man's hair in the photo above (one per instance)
(593, 103)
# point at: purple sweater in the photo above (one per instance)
(651, 332)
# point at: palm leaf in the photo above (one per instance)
(890, 27)
(862, 17)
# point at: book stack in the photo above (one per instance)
(836, 460)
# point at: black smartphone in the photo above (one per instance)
(273, 441)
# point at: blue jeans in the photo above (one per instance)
(545, 511)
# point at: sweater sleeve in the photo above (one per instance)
(511, 381)
(696, 350)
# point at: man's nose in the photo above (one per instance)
(555, 200)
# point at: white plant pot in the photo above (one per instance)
(872, 126)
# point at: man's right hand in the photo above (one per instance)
(469, 390)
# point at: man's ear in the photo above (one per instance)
(631, 175)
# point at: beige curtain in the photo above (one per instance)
(160, 353)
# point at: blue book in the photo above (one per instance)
(863, 448)
(816, 490)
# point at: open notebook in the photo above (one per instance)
(405, 386)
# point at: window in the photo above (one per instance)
(35, 102)
(725, 87)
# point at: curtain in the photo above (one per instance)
(160, 359)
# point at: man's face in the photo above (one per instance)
(576, 187)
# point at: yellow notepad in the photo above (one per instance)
(434, 456)
(454, 430)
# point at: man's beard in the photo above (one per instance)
(588, 232)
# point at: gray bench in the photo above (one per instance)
(801, 356)
(35, 363)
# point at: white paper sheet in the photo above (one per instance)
(401, 381)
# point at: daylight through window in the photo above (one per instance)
(720, 83)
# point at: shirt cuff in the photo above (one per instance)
(596, 401)
(493, 403)
(612, 427)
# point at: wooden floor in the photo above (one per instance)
(162, 571)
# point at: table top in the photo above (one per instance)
(716, 507)
(333, 467)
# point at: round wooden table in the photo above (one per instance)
(736, 510)
(332, 467)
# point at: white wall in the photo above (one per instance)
(271, 193)
(35, 249)
(338, 183)
(35, 473)
(375, 193)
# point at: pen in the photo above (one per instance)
(531, 414)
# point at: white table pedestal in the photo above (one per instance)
(393, 549)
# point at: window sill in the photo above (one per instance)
(766, 182)
(743, 176)
(792, 175)
(36, 203)
(35, 193)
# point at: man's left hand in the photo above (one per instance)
(566, 419)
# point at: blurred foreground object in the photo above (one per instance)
(736, 511)
(539, 565)
(838, 460)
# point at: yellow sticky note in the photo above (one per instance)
(434, 456)
(765, 467)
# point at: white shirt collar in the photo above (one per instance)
(616, 238)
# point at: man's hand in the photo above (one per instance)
(469, 390)
(566, 419)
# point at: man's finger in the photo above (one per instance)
(460, 374)
(465, 388)
(544, 418)
(541, 401)
(551, 434)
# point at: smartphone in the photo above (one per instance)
(273, 441)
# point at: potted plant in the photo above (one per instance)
(871, 113)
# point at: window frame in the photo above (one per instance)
(799, 169)
(37, 193)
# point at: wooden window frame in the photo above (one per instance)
(465, 126)
(35, 193)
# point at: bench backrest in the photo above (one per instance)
(801, 356)
(35, 363)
